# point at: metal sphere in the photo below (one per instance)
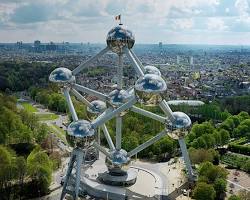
(80, 133)
(62, 75)
(118, 38)
(149, 88)
(179, 128)
(118, 161)
(152, 70)
(90, 155)
(119, 97)
(97, 108)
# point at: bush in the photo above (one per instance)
(239, 149)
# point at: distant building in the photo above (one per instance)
(160, 45)
(37, 46)
(191, 60)
(51, 47)
(178, 59)
(19, 44)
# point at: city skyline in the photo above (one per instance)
(172, 22)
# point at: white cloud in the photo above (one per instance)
(89, 20)
(216, 24)
(242, 7)
(183, 24)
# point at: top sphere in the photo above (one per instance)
(119, 37)
(61, 75)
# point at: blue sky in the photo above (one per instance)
(169, 21)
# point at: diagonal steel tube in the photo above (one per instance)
(70, 104)
(148, 114)
(90, 92)
(86, 64)
(134, 63)
(81, 98)
(167, 110)
(109, 114)
(137, 60)
(147, 143)
(108, 138)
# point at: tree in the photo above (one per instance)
(234, 197)
(198, 156)
(8, 171)
(246, 166)
(40, 170)
(129, 142)
(204, 191)
(204, 128)
(225, 136)
(220, 186)
(212, 172)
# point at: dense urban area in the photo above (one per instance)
(33, 114)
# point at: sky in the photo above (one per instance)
(151, 21)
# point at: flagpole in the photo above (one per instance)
(120, 19)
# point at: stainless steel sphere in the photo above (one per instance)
(149, 88)
(152, 70)
(118, 162)
(119, 97)
(179, 128)
(80, 133)
(97, 108)
(62, 76)
(118, 38)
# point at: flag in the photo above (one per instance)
(118, 17)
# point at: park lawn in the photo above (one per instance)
(28, 107)
(58, 132)
(59, 129)
(46, 116)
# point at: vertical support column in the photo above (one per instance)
(68, 174)
(118, 132)
(120, 72)
(118, 117)
(98, 140)
(186, 158)
(79, 159)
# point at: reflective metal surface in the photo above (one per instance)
(119, 97)
(80, 133)
(61, 75)
(119, 37)
(149, 88)
(152, 70)
(118, 161)
(98, 107)
(180, 127)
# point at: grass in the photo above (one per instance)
(59, 129)
(46, 116)
(58, 132)
(28, 107)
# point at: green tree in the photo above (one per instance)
(204, 191)
(234, 197)
(220, 186)
(225, 136)
(40, 170)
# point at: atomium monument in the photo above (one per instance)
(82, 134)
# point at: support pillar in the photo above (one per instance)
(72, 181)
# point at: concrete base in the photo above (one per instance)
(139, 190)
(127, 179)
